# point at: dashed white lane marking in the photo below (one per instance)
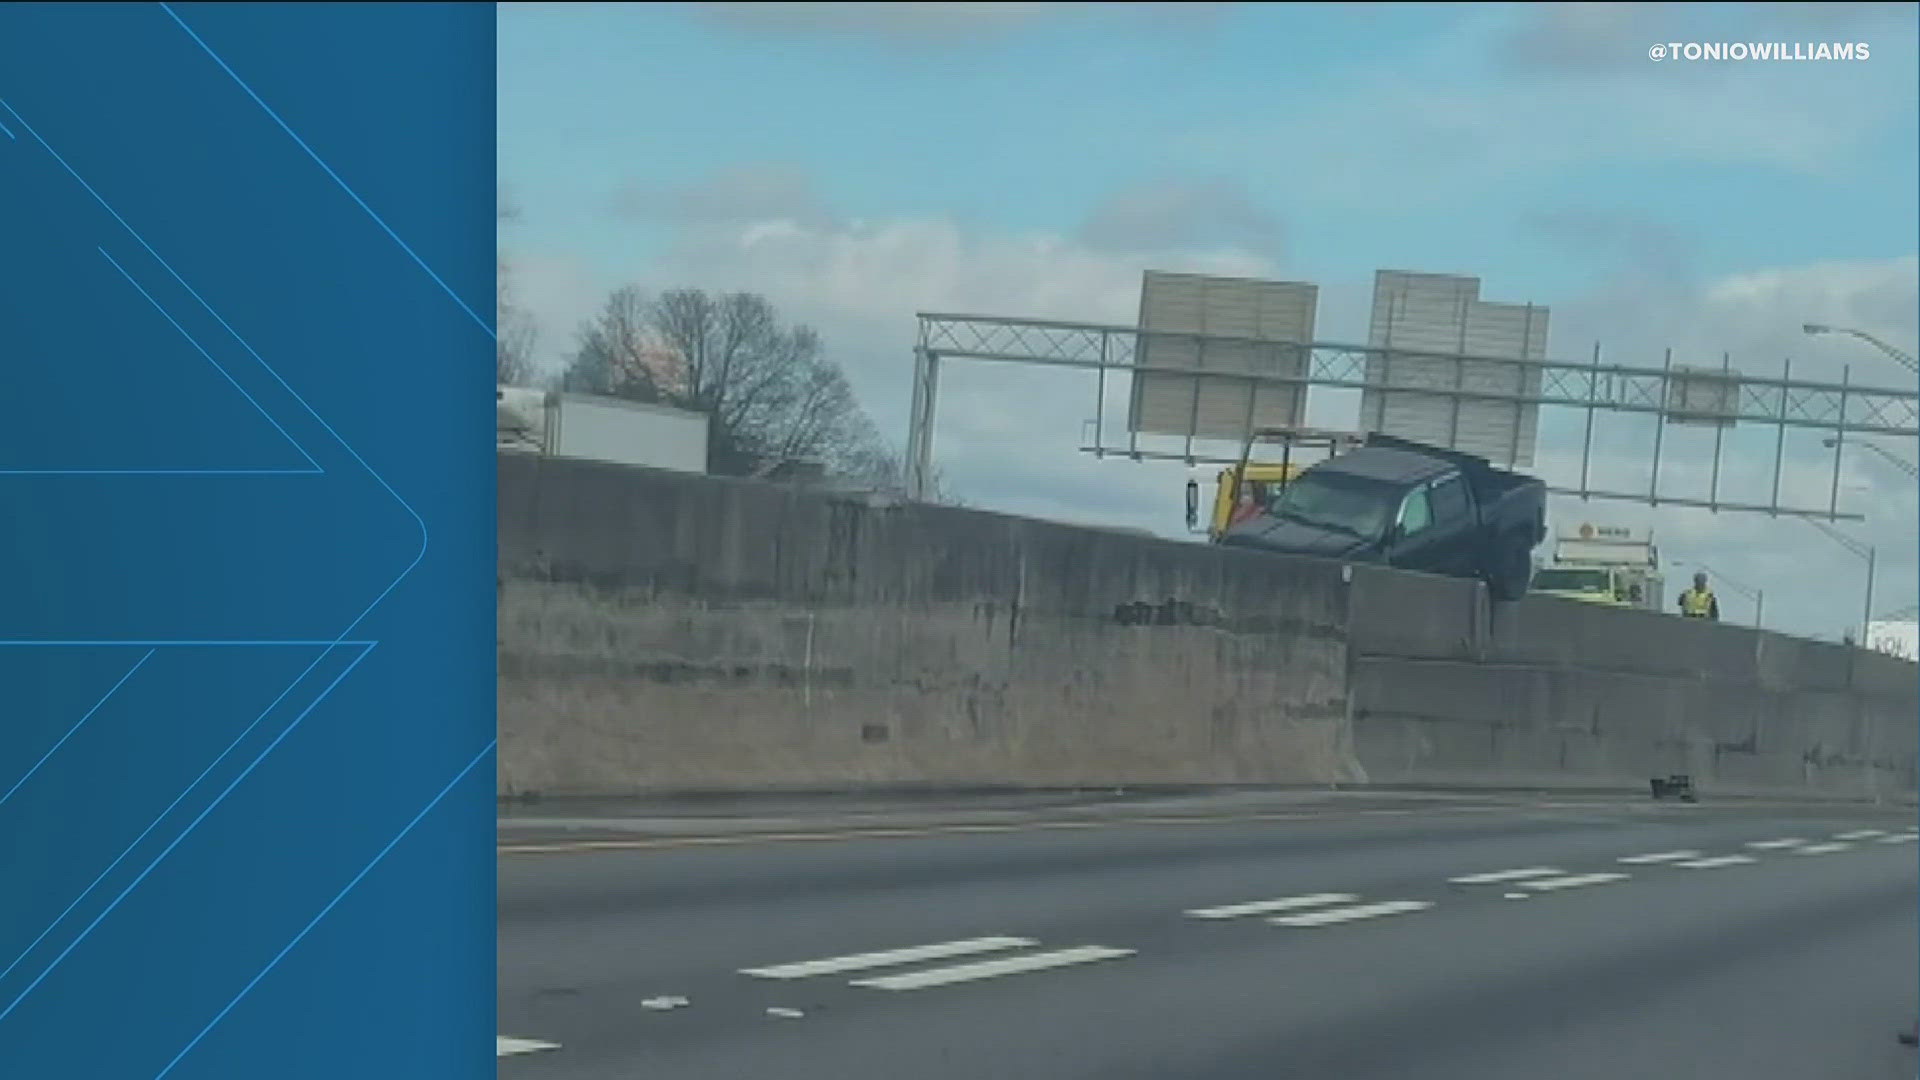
(1659, 857)
(1821, 849)
(1775, 845)
(1860, 834)
(504, 1046)
(1497, 876)
(1349, 914)
(1899, 838)
(1260, 907)
(1574, 882)
(1717, 862)
(988, 969)
(861, 961)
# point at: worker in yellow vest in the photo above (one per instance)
(1699, 601)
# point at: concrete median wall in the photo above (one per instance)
(666, 632)
(661, 632)
(1556, 692)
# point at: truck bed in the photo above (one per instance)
(1493, 487)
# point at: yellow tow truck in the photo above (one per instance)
(1247, 487)
(1240, 491)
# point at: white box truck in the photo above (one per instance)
(1899, 638)
(601, 429)
(1602, 564)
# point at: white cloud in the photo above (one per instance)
(1812, 583)
(1769, 307)
(1172, 216)
(560, 292)
(742, 195)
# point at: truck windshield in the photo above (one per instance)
(1328, 500)
(1564, 580)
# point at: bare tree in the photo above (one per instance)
(772, 398)
(618, 355)
(770, 394)
(515, 331)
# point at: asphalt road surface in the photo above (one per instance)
(1462, 940)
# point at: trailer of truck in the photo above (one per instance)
(601, 429)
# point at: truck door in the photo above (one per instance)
(1454, 533)
(1416, 542)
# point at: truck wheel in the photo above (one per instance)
(1512, 572)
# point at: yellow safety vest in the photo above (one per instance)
(1696, 603)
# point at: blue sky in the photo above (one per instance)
(857, 163)
(1028, 125)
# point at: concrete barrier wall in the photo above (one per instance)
(661, 631)
(1555, 692)
(668, 632)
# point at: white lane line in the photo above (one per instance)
(1821, 849)
(1717, 862)
(1860, 834)
(1497, 876)
(504, 1046)
(1899, 838)
(1775, 845)
(1659, 857)
(835, 964)
(988, 969)
(1285, 903)
(1349, 914)
(1573, 882)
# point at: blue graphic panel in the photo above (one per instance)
(246, 640)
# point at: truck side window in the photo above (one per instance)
(1449, 499)
(1415, 513)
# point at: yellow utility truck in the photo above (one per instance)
(1601, 564)
(1247, 487)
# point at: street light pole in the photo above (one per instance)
(1866, 616)
(1859, 551)
(1892, 458)
(1899, 356)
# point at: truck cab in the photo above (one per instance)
(1240, 492)
(1588, 584)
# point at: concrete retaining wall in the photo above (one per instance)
(661, 631)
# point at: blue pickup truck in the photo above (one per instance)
(1412, 506)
